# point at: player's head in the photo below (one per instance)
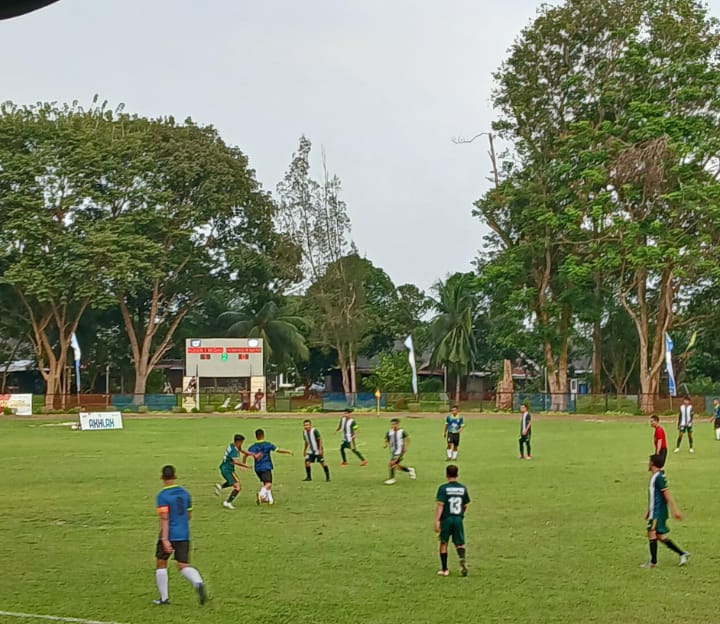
(168, 473)
(347, 412)
(654, 420)
(523, 407)
(686, 400)
(239, 439)
(451, 471)
(394, 424)
(259, 434)
(453, 409)
(716, 401)
(307, 425)
(656, 463)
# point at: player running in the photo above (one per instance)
(348, 425)
(397, 439)
(227, 469)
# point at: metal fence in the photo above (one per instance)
(337, 401)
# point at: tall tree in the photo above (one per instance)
(452, 326)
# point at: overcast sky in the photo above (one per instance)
(383, 85)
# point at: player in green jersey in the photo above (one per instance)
(313, 450)
(450, 504)
(348, 425)
(227, 469)
(659, 500)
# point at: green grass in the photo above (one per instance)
(557, 539)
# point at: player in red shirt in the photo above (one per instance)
(659, 440)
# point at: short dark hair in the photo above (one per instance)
(451, 471)
(687, 398)
(259, 433)
(454, 407)
(656, 461)
(239, 437)
(395, 420)
(655, 418)
(347, 411)
(168, 472)
(308, 421)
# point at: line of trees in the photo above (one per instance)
(603, 213)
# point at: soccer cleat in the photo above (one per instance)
(158, 601)
(529, 457)
(648, 564)
(218, 489)
(307, 479)
(463, 568)
(202, 594)
(327, 479)
(684, 558)
(390, 482)
(677, 450)
(228, 505)
(692, 450)
(363, 462)
(343, 463)
(522, 456)
(412, 473)
(443, 572)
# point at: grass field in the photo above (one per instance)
(556, 539)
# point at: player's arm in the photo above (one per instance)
(445, 430)
(462, 426)
(320, 445)
(674, 510)
(164, 515)
(406, 443)
(439, 506)
(242, 463)
(387, 440)
(285, 451)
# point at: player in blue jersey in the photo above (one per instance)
(260, 451)
(227, 469)
(174, 507)
(659, 500)
(454, 426)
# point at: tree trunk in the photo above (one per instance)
(505, 389)
(457, 387)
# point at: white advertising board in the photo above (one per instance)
(20, 404)
(100, 421)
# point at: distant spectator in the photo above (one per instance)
(716, 418)
(259, 396)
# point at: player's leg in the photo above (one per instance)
(182, 557)
(449, 449)
(358, 454)
(391, 469)
(235, 491)
(343, 446)
(527, 446)
(717, 430)
(663, 537)
(521, 444)
(458, 538)
(444, 539)
(267, 484)
(679, 439)
(325, 468)
(161, 574)
(652, 543)
(308, 474)
(690, 439)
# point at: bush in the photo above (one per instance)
(75, 410)
(208, 409)
(221, 410)
(7, 411)
(177, 409)
(143, 409)
(400, 404)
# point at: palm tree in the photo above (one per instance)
(279, 329)
(452, 328)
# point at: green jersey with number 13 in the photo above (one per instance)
(454, 496)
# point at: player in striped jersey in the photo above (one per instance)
(313, 450)
(348, 425)
(397, 439)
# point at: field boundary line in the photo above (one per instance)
(54, 618)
